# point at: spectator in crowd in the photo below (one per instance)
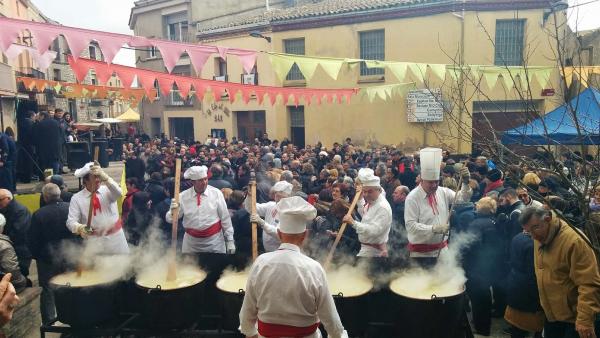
(132, 185)
(8, 259)
(398, 199)
(524, 196)
(49, 143)
(139, 218)
(135, 166)
(65, 195)
(523, 312)
(567, 275)
(216, 180)
(47, 237)
(18, 219)
(25, 145)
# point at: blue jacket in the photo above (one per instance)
(521, 285)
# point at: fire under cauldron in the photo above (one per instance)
(87, 300)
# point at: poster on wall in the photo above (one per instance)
(425, 105)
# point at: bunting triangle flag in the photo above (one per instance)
(332, 67)
(375, 64)
(281, 65)
(439, 70)
(490, 79)
(507, 78)
(307, 67)
(543, 77)
(419, 70)
(398, 69)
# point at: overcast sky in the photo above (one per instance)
(113, 16)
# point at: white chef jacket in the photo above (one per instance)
(374, 228)
(103, 221)
(268, 211)
(285, 287)
(420, 218)
(212, 208)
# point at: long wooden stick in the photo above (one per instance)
(88, 226)
(172, 268)
(460, 182)
(342, 228)
(253, 211)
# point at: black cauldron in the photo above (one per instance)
(438, 317)
(169, 309)
(231, 304)
(87, 306)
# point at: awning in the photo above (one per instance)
(129, 116)
(560, 127)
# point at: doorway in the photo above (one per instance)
(251, 125)
(297, 130)
(181, 127)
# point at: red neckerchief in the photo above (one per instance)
(198, 199)
(432, 203)
(96, 203)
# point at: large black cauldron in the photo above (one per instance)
(87, 306)
(438, 317)
(169, 309)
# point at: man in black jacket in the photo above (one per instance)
(216, 179)
(49, 142)
(26, 148)
(17, 224)
(47, 236)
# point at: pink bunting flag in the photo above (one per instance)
(198, 58)
(110, 46)
(166, 84)
(78, 41)
(126, 76)
(79, 68)
(10, 33)
(43, 37)
(170, 52)
(222, 51)
(248, 60)
(217, 91)
(146, 79)
(103, 73)
(184, 86)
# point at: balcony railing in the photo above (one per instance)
(30, 72)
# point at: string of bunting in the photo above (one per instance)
(74, 90)
(79, 39)
(186, 85)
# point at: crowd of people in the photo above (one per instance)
(405, 212)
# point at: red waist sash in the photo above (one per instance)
(381, 247)
(208, 232)
(116, 227)
(426, 247)
(276, 330)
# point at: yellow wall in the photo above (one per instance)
(429, 39)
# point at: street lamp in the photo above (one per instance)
(257, 34)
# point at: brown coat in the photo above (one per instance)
(567, 276)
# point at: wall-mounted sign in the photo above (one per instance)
(425, 105)
(218, 118)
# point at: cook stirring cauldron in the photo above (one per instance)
(427, 208)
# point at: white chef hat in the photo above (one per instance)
(196, 173)
(81, 172)
(431, 161)
(283, 186)
(367, 178)
(323, 153)
(294, 213)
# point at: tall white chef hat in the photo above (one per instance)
(283, 186)
(196, 173)
(294, 213)
(431, 161)
(81, 172)
(367, 178)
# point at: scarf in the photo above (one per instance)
(96, 203)
(432, 203)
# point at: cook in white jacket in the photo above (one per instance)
(105, 234)
(287, 293)
(206, 219)
(374, 228)
(426, 213)
(268, 211)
